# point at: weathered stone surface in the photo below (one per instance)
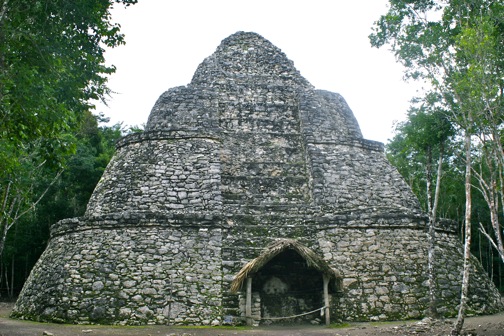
(248, 152)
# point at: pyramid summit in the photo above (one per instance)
(245, 63)
(250, 196)
(248, 56)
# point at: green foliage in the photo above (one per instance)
(410, 158)
(424, 135)
(95, 147)
(411, 165)
(67, 198)
(426, 129)
(457, 48)
(51, 66)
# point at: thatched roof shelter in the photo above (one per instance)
(274, 249)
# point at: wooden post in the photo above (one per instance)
(248, 303)
(326, 300)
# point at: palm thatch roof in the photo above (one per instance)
(274, 249)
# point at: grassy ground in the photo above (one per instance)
(482, 325)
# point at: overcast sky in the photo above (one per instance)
(326, 39)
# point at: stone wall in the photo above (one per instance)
(171, 271)
(319, 122)
(141, 177)
(389, 269)
(184, 108)
(129, 275)
(375, 184)
(384, 269)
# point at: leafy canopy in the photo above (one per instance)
(457, 46)
(51, 65)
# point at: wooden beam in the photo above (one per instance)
(326, 300)
(248, 303)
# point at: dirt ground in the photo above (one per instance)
(492, 325)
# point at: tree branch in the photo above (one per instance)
(490, 239)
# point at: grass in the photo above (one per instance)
(339, 325)
(213, 327)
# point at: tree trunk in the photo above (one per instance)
(457, 327)
(11, 292)
(432, 238)
(3, 11)
(14, 206)
(1, 276)
(494, 218)
(428, 180)
(6, 277)
(248, 303)
(327, 311)
(489, 189)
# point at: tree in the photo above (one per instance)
(423, 133)
(51, 66)
(67, 197)
(456, 47)
(483, 79)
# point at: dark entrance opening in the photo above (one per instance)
(288, 287)
(285, 282)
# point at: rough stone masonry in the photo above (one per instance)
(246, 154)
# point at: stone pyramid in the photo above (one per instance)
(247, 154)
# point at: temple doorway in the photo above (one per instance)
(287, 283)
(288, 288)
